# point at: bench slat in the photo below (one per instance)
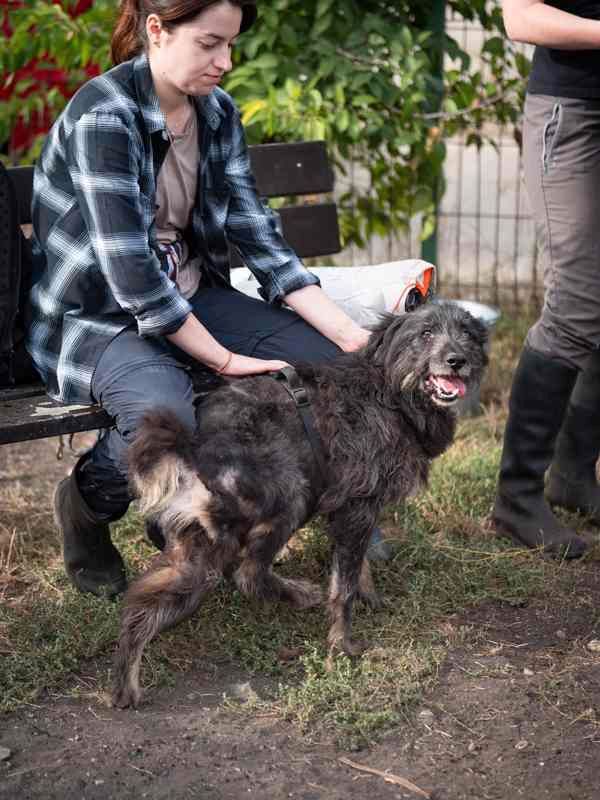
(311, 230)
(281, 170)
(28, 413)
(291, 169)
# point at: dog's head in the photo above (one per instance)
(435, 354)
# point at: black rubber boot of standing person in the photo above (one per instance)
(572, 482)
(539, 397)
(92, 562)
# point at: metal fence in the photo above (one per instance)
(485, 237)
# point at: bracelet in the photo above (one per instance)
(226, 364)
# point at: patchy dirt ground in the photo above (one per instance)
(515, 713)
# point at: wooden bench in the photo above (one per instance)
(26, 412)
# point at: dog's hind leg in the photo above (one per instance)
(351, 529)
(167, 593)
(255, 577)
(366, 588)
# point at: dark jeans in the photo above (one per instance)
(136, 374)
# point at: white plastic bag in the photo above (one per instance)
(364, 292)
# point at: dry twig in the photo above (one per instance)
(141, 769)
(388, 777)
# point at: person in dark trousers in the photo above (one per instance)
(142, 183)
(554, 411)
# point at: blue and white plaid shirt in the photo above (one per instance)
(96, 258)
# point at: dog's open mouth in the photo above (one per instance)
(445, 389)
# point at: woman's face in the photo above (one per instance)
(193, 57)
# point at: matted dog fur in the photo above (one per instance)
(229, 497)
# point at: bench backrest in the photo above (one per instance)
(281, 170)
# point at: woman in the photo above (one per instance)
(141, 183)
(555, 398)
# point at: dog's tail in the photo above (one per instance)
(159, 459)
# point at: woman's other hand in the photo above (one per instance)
(237, 366)
(359, 339)
(316, 308)
(195, 340)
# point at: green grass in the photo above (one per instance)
(445, 562)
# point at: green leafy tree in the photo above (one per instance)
(365, 75)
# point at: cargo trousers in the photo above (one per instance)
(561, 162)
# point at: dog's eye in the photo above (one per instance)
(427, 333)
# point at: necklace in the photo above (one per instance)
(177, 128)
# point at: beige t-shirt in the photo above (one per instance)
(175, 195)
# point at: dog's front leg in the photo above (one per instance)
(350, 528)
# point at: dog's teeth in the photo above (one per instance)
(448, 386)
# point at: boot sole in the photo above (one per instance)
(568, 552)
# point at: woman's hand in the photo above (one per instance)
(358, 340)
(237, 366)
(314, 306)
(195, 340)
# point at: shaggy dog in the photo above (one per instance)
(230, 496)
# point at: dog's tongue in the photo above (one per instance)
(452, 384)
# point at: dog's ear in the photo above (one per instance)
(478, 330)
(382, 332)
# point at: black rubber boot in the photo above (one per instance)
(572, 482)
(540, 393)
(92, 562)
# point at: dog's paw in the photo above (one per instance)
(354, 647)
(125, 697)
(303, 594)
(345, 646)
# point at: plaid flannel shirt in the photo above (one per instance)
(97, 266)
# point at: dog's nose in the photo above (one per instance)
(456, 361)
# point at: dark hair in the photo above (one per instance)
(129, 37)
